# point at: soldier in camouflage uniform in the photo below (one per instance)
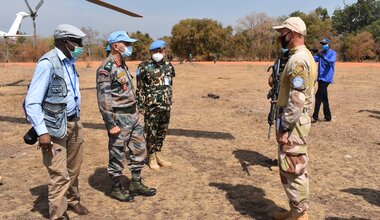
(154, 94)
(125, 126)
(293, 119)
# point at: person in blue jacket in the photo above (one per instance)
(326, 67)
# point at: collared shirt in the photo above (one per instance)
(39, 85)
(326, 66)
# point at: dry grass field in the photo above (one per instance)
(219, 147)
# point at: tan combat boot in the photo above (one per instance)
(153, 162)
(281, 215)
(161, 161)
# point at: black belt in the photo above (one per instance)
(125, 110)
(72, 117)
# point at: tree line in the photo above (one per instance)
(354, 31)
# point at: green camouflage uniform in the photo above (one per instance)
(154, 95)
(294, 103)
(117, 104)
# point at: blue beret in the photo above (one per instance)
(325, 41)
(118, 36)
(157, 44)
(108, 48)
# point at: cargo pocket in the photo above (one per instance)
(293, 164)
(304, 120)
(55, 119)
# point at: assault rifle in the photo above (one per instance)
(314, 51)
(277, 69)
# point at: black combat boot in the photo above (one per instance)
(136, 187)
(120, 193)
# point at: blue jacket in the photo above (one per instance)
(326, 66)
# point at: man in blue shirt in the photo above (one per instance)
(52, 106)
(326, 67)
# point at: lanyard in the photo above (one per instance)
(73, 85)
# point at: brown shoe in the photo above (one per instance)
(79, 209)
(302, 216)
(281, 215)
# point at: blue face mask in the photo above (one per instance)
(127, 52)
(325, 47)
(77, 51)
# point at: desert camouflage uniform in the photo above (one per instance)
(154, 95)
(294, 103)
(117, 104)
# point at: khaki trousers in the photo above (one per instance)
(63, 168)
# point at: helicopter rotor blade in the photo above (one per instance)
(115, 8)
(30, 8)
(39, 5)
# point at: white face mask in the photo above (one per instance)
(158, 57)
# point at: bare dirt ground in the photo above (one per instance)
(219, 147)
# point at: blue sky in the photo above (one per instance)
(159, 15)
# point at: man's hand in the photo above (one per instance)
(282, 138)
(320, 54)
(115, 131)
(44, 141)
(270, 81)
(142, 112)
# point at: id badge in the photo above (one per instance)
(166, 81)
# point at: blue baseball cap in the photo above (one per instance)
(158, 44)
(325, 41)
(118, 36)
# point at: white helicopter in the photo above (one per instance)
(12, 33)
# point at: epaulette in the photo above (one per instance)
(108, 66)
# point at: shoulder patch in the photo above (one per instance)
(108, 66)
(150, 67)
(298, 82)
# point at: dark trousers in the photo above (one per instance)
(322, 97)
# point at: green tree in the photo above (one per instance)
(141, 47)
(360, 46)
(257, 30)
(199, 37)
(353, 18)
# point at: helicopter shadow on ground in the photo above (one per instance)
(248, 158)
(249, 200)
(172, 131)
(374, 113)
(370, 195)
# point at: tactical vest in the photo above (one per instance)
(283, 95)
(55, 100)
